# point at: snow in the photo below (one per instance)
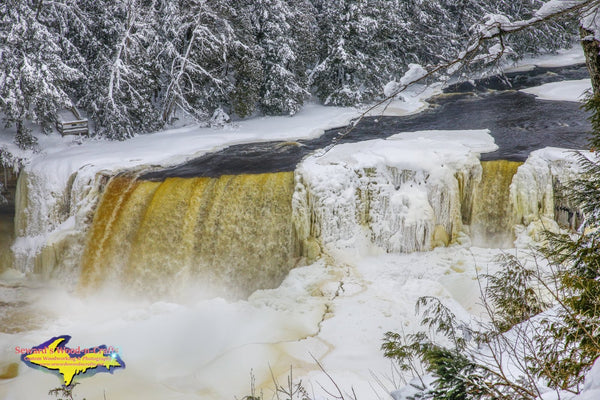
(69, 168)
(555, 6)
(590, 20)
(533, 196)
(391, 194)
(411, 100)
(336, 313)
(64, 155)
(491, 24)
(494, 24)
(415, 73)
(572, 56)
(336, 310)
(562, 91)
(591, 389)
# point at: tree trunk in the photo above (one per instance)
(591, 49)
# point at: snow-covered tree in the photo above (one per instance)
(283, 89)
(34, 74)
(346, 31)
(135, 65)
(366, 43)
(552, 35)
(121, 85)
(196, 79)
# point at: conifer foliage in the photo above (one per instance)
(136, 65)
(35, 77)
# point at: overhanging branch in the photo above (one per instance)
(496, 27)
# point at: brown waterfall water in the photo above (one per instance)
(6, 239)
(231, 235)
(492, 218)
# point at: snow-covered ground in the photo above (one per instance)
(206, 349)
(411, 101)
(62, 156)
(335, 310)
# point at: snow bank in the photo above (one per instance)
(561, 91)
(562, 58)
(410, 101)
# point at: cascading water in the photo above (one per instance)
(6, 238)
(8, 182)
(492, 219)
(232, 234)
(244, 232)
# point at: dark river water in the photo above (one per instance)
(519, 123)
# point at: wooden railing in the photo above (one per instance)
(79, 127)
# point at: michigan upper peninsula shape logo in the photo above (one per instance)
(53, 356)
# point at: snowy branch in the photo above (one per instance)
(494, 26)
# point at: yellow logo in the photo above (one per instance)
(54, 357)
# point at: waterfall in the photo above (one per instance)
(6, 238)
(231, 234)
(492, 218)
(236, 234)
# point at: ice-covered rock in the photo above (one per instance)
(402, 194)
(537, 191)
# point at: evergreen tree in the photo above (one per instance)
(551, 36)
(305, 32)
(576, 260)
(124, 78)
(346, 34)
(34, 77)
(245, 70)
(197, 80)
(283, 90)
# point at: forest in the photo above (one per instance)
(136, 66)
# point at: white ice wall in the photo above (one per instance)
(51, 219)
(535, 190)
(401, 194)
